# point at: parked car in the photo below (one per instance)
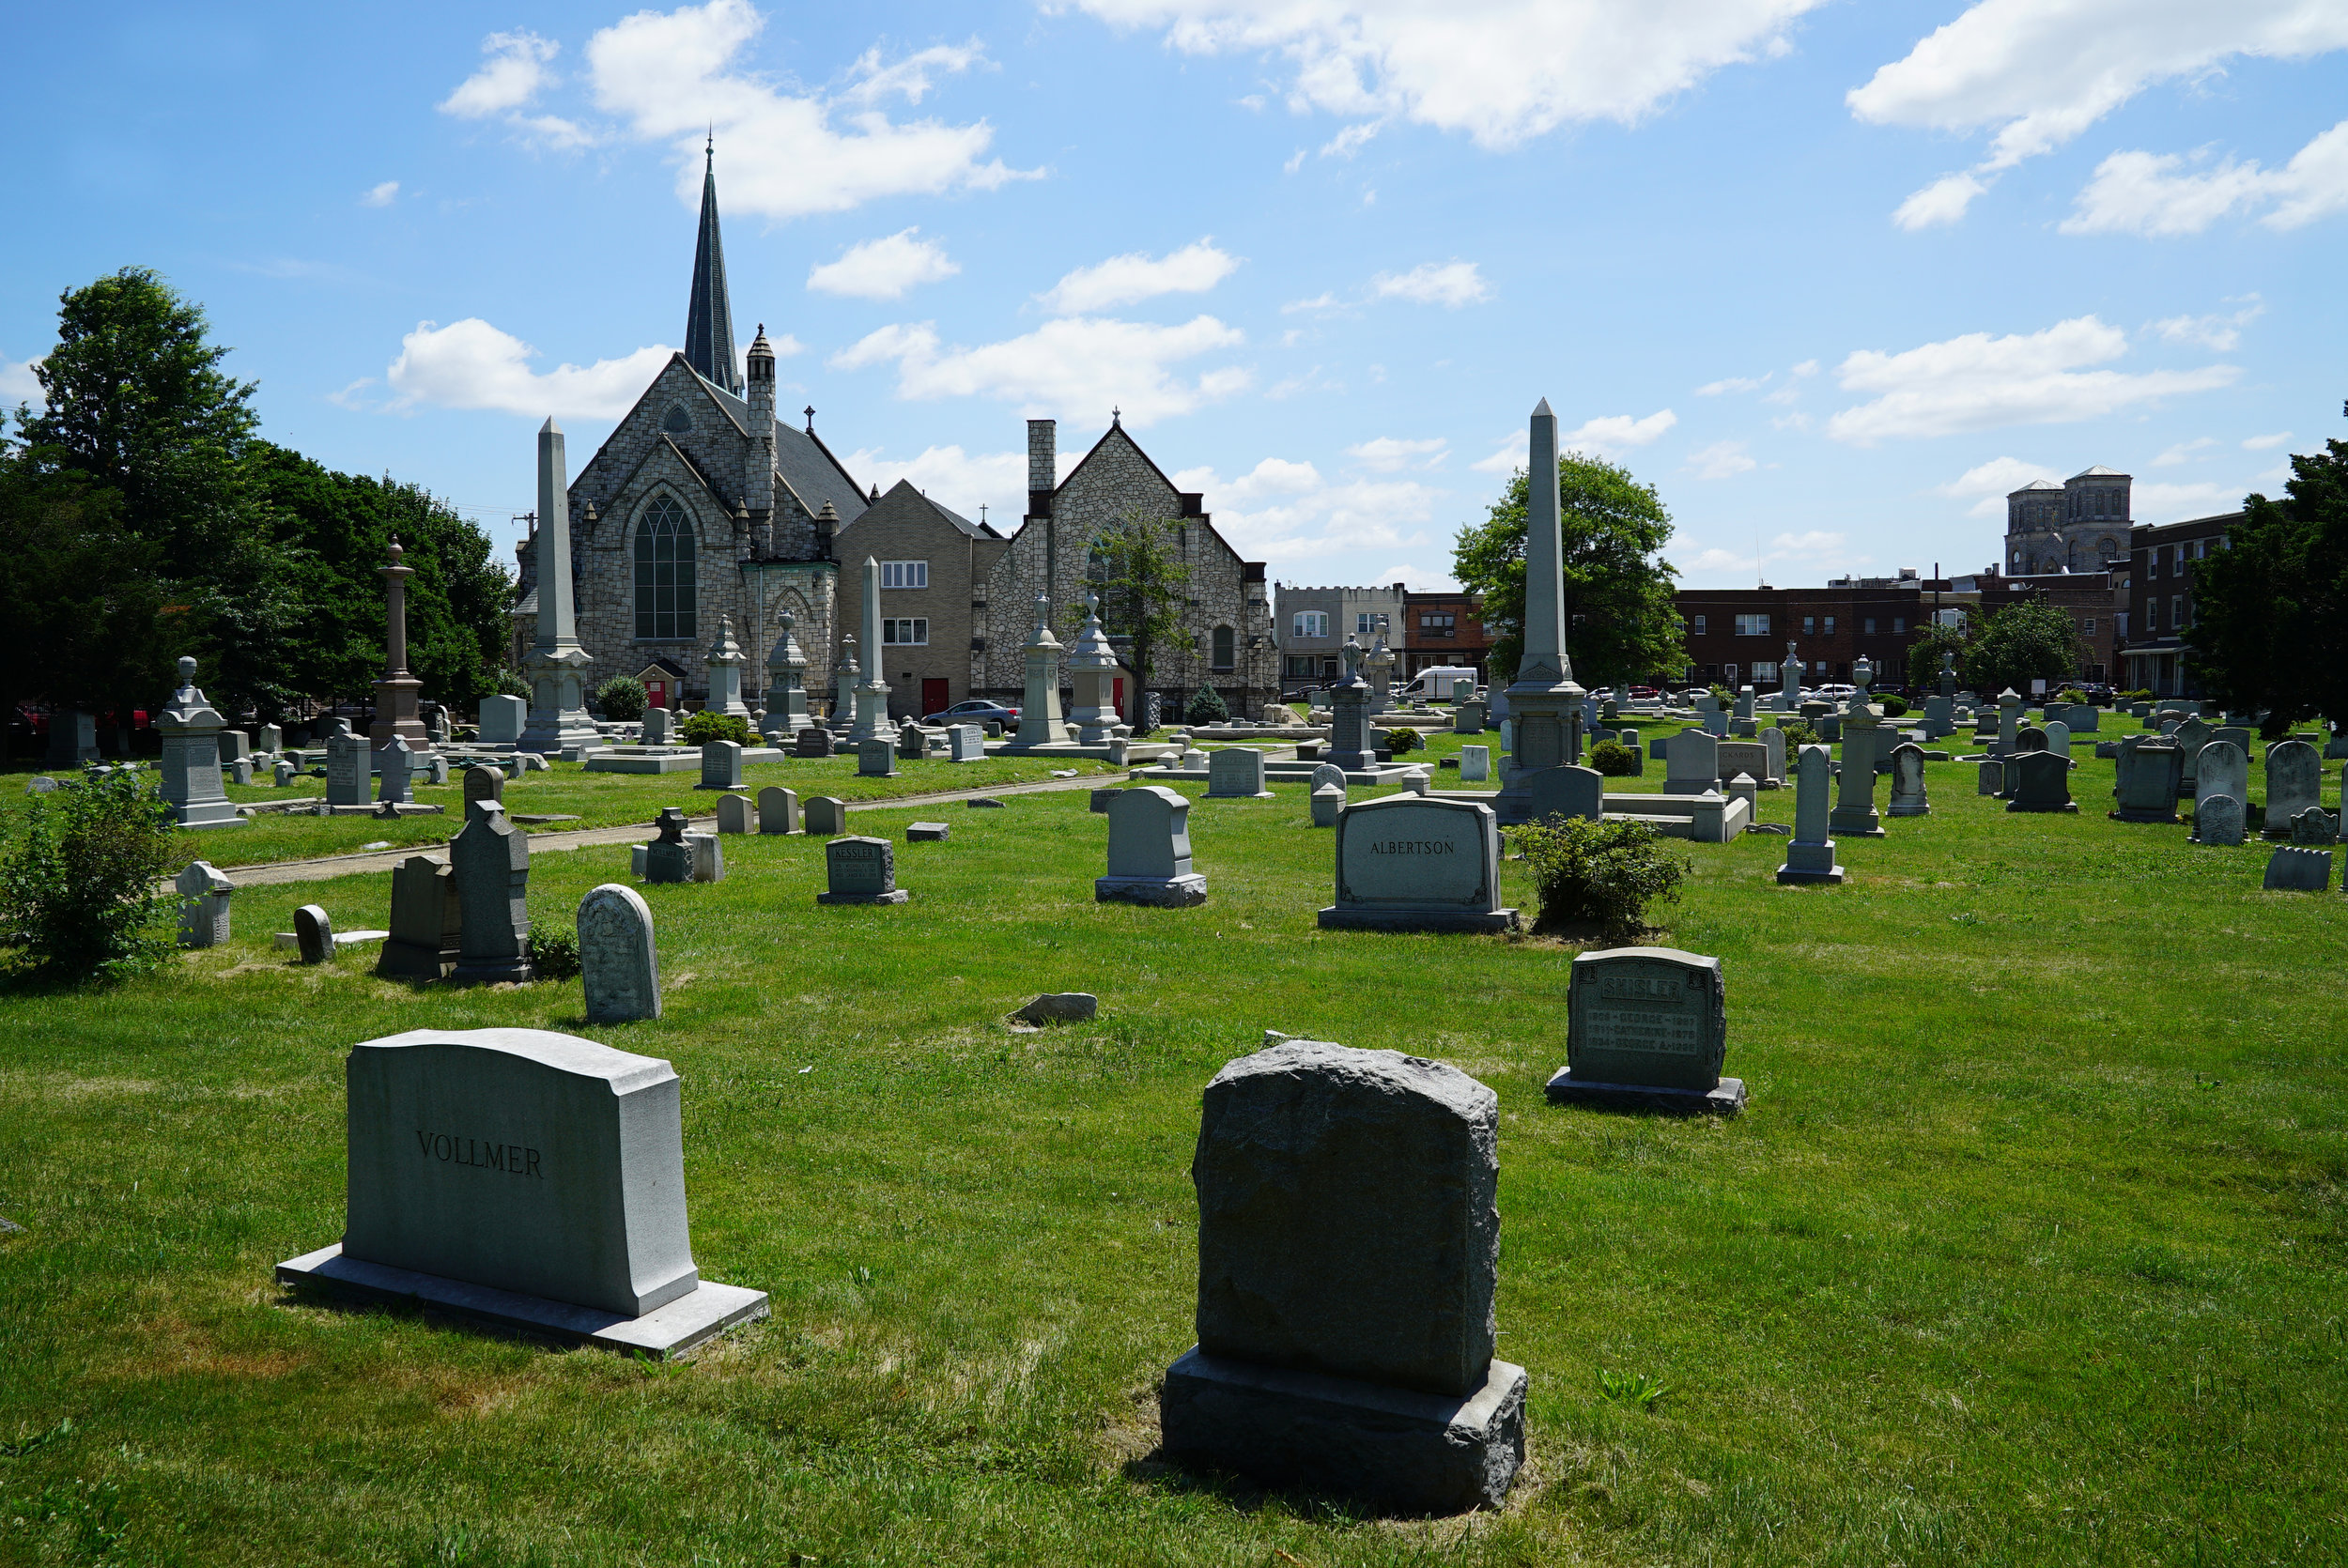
(975, 711)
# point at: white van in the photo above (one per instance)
(1434, 683)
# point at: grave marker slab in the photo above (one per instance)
(1809, 853)
(1647, 1028)
(2223, 770)
(2148, 771)
(1568, 790)
(875, 758)
(618, 961)
(491, 857)
(927, 832)
(1149, 859)
(501, 719)
(2295, 782)
(966, 743)
(721, 765)
(398, 764)
(427, 921)
(204, 894)
(815, 742)
(2298, 868)
(826, 815)
(733, 814)
(1416, 864)
(777, 810)
(1694, 766)
(1908, 798)
(861, 871)
(1328, 800)
(2217, 819)
(1475, 763)
(2042, 783)
(346, 771)
(1236, 773)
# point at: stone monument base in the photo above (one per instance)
(1399, 1450)
(1336, 920)
(896, 896)
(2050, 806)
(1809, 863)
(1904, 808)
(210, 813)
(409, 962)
(1158, 892)
(2143, 814)
(700, 1314)
(1726, 1101)
(493, 972)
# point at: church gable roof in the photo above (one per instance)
(904, 501)
(1116, 432)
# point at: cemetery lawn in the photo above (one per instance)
(2030, 1249)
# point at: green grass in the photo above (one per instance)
(2030, 1247)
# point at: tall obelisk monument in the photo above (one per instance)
(1543, 701)
(557, 666)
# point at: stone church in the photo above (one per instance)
(2077, 526)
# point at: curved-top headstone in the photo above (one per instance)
(484, 783)
(619, 964)
(2295, 782)
(1149, 860)
(1327, 773)
(2223, 770)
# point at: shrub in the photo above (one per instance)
(704, 727)
(553, 953)
(621, 700)
(81, 894)
(1612, 759)
(1206, 707)
(1600, 873)
(1726, 698)
(1893, 706)
(510, 683)
(2070, 694)
(1404, 739)
(1797, 735)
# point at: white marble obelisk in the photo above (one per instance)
(1543, 701)
(872, 697)
(557, 666)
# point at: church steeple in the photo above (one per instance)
(709, 322)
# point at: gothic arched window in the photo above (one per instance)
(664, 573)
(676, 420)
(1226, 649)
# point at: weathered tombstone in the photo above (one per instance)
(1694, 767)
(1809, 853)
(669, 858)
(875, 758)
(2314, 826)
(1773, 749)
(436, 768)
(777, 810)
(484, 783)
(1751, 757)
(2192, 735)
(427, 921)
(1567, 791)
(815, 742)
(733, 814)
(1348, 1247)
(314, 935)
(1647, 1028)
(619, 966)
(1854, 814)
(1475, 764)
(501, 719)
(272, 739)
(526, 1178)
(708, 856)
(2295, 782)
(721, 765)
(659, 728)
(204, 895)
(1327, 772)
(1468, 718)
(1940, 717)
(861, 871)
(284, 773)
(2298, 868)
(2217, 819)
(1992, 777)
(1908, 782)
(913, 742)
(1415, 863)
(2223, 770)
(2042, 783)
(1148, 861)
(966, 743)
(398, 764)
(2084, 719)
(825, 816)
(40, 785)
(1328, 800)
(2058, 738)
(1236, 773)
(346, 771)
(2148, 771)
(491, 857)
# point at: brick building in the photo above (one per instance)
(1312, 623)
(1441, 628)
(2160, 601)
(1738, 636)
(934, 628)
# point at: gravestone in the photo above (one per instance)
(1908, 782)
(619, 966)
(1751, 757)
(1809, 853)
(669, 858)
(1468, 718)
(501, 719)
(314, 935)
(398, 764)
(2298, 868)
(816, 742)
(1694, 767)
(235, 746)
(204, 895)
(2148, 771)
(2042, 783)
(659, 728)
(861, 871)
(1567, 791)
(1236, 773)
(484, 783)
(272, 739)
(1149, 860)
(1647, 1028)
(40, 785)
(427, 921)
(2295, 782)
(966, 743)
(1940, 717)
(734, 813)
(1415, 863)
(436, 768)
(2224, 771)
(708, 856)
(189, 728)
(491, 857)
(875, 758)
(1328, 801)
(1327, 773)
(826, 815)
(2084, 719)
(284, 773)
(2192, 735)
(928, 833)
(2314, 826)
(527, 1177)
(777, 810)
(2009, 721)
(2058, 738)
(1746, 788)
(346, 771)
(1773, 748)
(721, 765)
(1349, 1248)
(2217, 819)
(913, 742)
(1475, 764)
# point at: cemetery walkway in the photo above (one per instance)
(627, 833)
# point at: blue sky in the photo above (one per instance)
(1833, 277)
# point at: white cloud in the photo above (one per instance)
(1346, 143)
(2221, 332)
(1449, 283)
(381, 196)
(2168, 504)
(1721, 460)
(471, 365)
(18, 384)
(1501, 71)
(1079, 366)
(1388, 453)
(1808, 550)
(2183, 451)
(348, 397)
(884, 268)
(1614, 433)
(954, 477)
(2160, 195)
(1284, 512)
(1509, 456)
(1784, 397)
(912, 77)
(1807, 367)
(1978, 382)
(2266, 443)
(1993, 481)
(670, 75)
(1734, 384)
(2042, 71)
(1134, 277)
(1319, 303)
(514, 73)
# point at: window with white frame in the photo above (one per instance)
(1365, 623)
(2176, 613)
(1762, 670)
(1699, 625)
(905, 631)
(1310, 623)
(1752, 626)
(2090, 626)
(905, 573)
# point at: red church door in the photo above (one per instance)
(1117, 698)
(935, 697)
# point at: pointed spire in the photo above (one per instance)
(709, 319)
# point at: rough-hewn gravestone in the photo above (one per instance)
(2314, 825)
(777, 810)
(530, 1178)
(1348, 1247)
(427, 921)
(2217, 819)
(491, 857)
(669, 858)
(1328, 800)
(1647, 1028)
(2042, 783)
(1908, 782)
(734, 813)
(204, 895)
(815, 742)
(875, 758)
(1149, 851)
(1236, 773)
(1409, 864)
(1809, 853)
(826, 815)
(2295, 782)
(618, 963)
(861, 871)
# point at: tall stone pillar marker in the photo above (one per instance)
(724, 663)
(557, 666)
(1543, 701)
(1093, 663)
(1351, 746)
(395, 695)
(1854, 815)
(1039, 723)
(786, 683)
(872, 697)
(190, 726)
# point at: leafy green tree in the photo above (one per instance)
(1622, 620)
(621, 699)
(81, 893)
(2268, 610)
(1145, 588)
(2021, 643)
(1932, 640)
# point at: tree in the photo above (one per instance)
(1144, 588)
(1622, 620)
(1932, 640)
(2267, 625)
(2021, 643)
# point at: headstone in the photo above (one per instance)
(1908, 782)
(238, 771)
(1809, 853)
(284, 773)
(1744, 701)
(1327, 773)
(40, 785)
(1694, 767)
(491, 857)
(346, 771)
(659, 727)
(825, 816)
(861, 871)
(816, 742)
(2298, 868)
(501, 719)
(708, 856)
(875, 758)
(314, 935)
(928, 833)
(2009, 721)
(1328, 800)
(966, 743)
(1475, 763)
(2192, 735)
(669, 858)
(427, 921)
(2224, 771)
(2148, 771)
(2314, 826)
(73, 739)
(721, 765)
(484, 783)
(2295, 782)
(777, 810)
(1348, 1247)
(1468, 718)
(1416, 864)
(436, 769)
(618, 962)
(733, 814)
(204, 895)
(2042, 783)
(1773, 753)
(531, 1178)
(2217, 819)
(1148, 861)
(1567, 791)
(1236, 773)
(2084, 718)
(1939, 717)
(272, 739)
(397, 762)
(2058, 738)
(1647, 1028)
(1751, 757)
(913, 742)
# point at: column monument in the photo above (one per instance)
(1543, 699)
(557, 666)
(395, 694)
(786, 683)
(1039, 723)
(872, 697)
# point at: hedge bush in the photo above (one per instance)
(1893, 706)
(623, 699)
(81, 893)
(704, 727)
(1404, 739)
(1601, 873)
(1206, 706)
(1612, 759)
